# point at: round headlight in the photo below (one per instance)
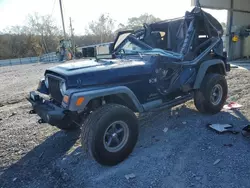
(62, 87)
(46, 81)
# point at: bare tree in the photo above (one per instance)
(136, 23)
(102, 29)
(44, 28)
(41, 35)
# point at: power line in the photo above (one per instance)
(53, 8)
(50, 15)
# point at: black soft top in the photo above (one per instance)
(202, 20)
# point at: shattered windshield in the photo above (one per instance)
(132, 46)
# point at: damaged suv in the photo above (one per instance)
(160, 66)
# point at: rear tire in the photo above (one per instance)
(110, 133)
(212, 95)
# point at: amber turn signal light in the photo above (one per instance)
(79, 101)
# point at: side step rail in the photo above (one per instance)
(174, 102)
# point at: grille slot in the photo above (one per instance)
(54, 89)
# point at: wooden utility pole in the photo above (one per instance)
(60, 2)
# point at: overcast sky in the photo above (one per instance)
(14, 12)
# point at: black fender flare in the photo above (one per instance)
(203, 70)
(100, 92)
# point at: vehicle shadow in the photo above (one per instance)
(183, 123)
(38, 160)
(41, 160)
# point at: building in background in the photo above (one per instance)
(238, 25)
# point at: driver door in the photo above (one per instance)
(168, 77)
(174, 78)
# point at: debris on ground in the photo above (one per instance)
(130, 176)
(233, 98)
(247, 128)
(222, 128)
(13, 114)
(184, 122)
(165, 130)
(246, 131)
(232, 105)
(217, 161)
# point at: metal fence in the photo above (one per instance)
(50, 57)
(19, 61)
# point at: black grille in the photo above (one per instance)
(54, 89)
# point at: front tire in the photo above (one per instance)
(110, 133)
(212, 95)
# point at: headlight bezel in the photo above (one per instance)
(63, 87)
(46, 81)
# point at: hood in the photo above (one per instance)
(105, 72)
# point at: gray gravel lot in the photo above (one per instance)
(33, 155)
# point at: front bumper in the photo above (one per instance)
(49, 112)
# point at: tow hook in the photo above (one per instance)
(40, 121)
(32, 112)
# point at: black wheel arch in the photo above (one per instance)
(119, 98)
(209, 66)
(122, 99)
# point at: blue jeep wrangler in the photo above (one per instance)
(160, 66)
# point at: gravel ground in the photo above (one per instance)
(187, 155)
